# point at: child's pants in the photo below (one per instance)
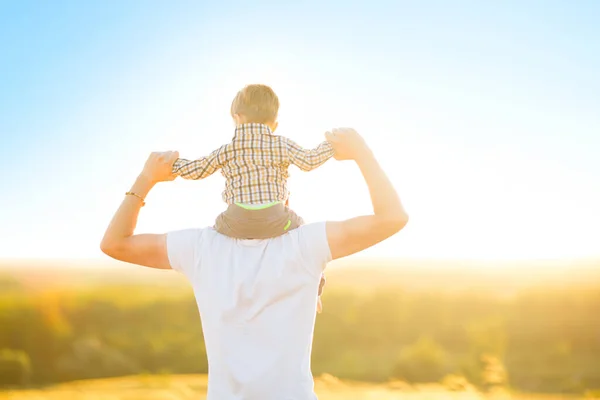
(259, 222)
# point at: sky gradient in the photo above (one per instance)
(485, 115)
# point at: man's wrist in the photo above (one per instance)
(142, 185)
(364, 156)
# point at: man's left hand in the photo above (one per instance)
(159, 166)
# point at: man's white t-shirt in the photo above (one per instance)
(257, 302)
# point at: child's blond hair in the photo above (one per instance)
(256, 103)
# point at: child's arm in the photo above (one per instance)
(307, 160)
(200, 168)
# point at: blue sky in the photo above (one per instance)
(485, 115)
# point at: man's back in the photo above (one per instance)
(257, 298)
(257, 301)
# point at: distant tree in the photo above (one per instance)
(90, 358)
(9, 283)
(493, 373)
(15, 368)
(423, 361)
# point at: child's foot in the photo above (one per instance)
(321, 285)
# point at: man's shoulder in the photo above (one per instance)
(192, 236)
(314, 231)
(308, 242)
(312, 227)
(313, 245)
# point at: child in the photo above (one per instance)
(255, 165)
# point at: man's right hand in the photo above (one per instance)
(356, 234)
(347, 144)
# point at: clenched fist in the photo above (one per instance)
(159, 166)
(347, 144)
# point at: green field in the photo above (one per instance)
(130, 333)
(183, 387)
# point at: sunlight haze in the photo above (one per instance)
(485, 117)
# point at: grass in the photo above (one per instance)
(184, 387)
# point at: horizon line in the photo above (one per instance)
(350, 259)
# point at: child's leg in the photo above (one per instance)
(321, 284)
(227, 224)
(296, 222)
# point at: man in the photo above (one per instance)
(257, 298)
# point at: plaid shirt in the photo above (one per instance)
(255, 164)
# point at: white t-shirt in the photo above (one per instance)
(257, 302)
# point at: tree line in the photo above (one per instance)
(542, 340)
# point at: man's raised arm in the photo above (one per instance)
(119, 241)
(389, 217)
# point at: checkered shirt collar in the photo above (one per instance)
(252, 128)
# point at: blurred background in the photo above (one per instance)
(485, 116)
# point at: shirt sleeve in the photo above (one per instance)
(314, 247)
(202, 167)
(182, 250)
(309, 159)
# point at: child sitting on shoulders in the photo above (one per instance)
(255, 165)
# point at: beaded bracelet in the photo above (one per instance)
(136, 195)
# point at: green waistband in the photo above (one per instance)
(257, 206)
